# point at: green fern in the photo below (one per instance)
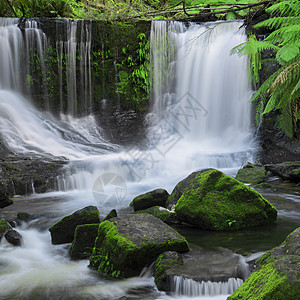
(282, 88)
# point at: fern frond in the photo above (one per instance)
(287, 54)
(285, 35)
(283, 8)
(276, 22)
(285, 121)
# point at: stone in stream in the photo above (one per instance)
(24, 217)
(252, 174)
(156, 197)
(13, 237)
(63, 231)
(199, 267)
(209, 199)
(111, 214)
(127, 244)
(277, 275)
(84, 241)
(288, 170)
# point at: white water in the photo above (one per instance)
(200, 118)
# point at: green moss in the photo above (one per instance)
(116, 254)
(163, 264)
(268, 284)
(213, 198)
(3, 226)
(251, 174)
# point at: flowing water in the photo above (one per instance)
(200, 117)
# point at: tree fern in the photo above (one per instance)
(282, 88)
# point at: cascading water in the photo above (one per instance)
(200, 118)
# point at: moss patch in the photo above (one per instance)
(125, 245)
(215, 201)
(251, 174)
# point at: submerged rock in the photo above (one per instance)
(25, 217)
(126, 244)
(63, 231)
(14, 237)
(156, 197)
(84, 241)
(277, 275)
(252, 174)
(167, 216)
(288, 170)
(215, 201)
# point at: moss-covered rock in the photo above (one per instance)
(164, 263)
(156, 197)
(63, 231)
(288, 170)
(278, 274)
(84, 241)
(251, 174)
(125, 245)
(4, 227)
(167, 216)
(111, 214)
(25, 217)
(215, 201)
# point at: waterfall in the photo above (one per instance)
(189, 287)
(200, 93)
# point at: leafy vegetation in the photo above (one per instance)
(281, 91)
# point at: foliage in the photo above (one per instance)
(283, 86)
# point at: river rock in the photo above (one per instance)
(126, 244)
(24, 217)
(215, 201)
(4, 198)
(252, 174)
(63, 231)
(111, 214)
(198, 267)
(163, 269)
(14, 237)
(167, 216)
(4, 227)
(84, 241)
(288, 170)
(277, 275)
(156, 197)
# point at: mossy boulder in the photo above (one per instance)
(84, 241)
(277, 276)
(162, 269)
(167, 216)
(288, 170)
(24, 217)
(4, 227)
(111, 214)
(156, 197)
(215, 201)
(126, 244)
(178, 190)
(63, 231)
(252, 174)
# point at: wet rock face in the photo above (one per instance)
(212, 200)
(4, 199)
(63, 231)
(277, 275)
(126, 244)
(23, 175)
(288, 170)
